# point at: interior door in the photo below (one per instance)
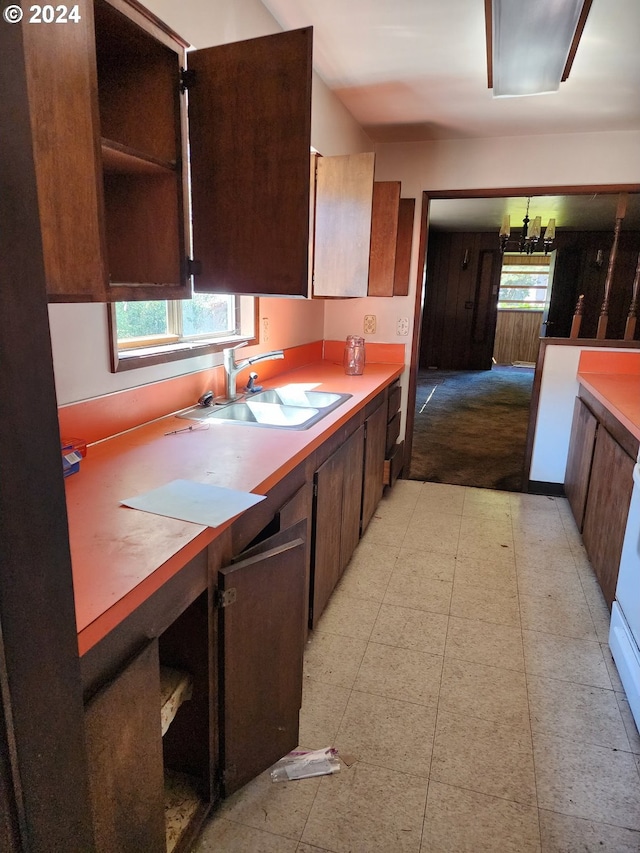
(250, 134)
(261, 647)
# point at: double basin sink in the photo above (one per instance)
(289, 407)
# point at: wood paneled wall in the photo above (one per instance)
(577, 272)
(517, 336)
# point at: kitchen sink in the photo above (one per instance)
(288, 407)
(290, 395)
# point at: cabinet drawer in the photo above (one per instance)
(393, 465)
(393, 431)
(395, 393)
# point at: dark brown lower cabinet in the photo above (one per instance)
(230, 631)
(262, 598)
(581, 447)
(238, 649)
(606, 511)
(336, 518)
(598, 485)
(374, 455)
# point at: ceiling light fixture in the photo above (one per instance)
(531, 234)
(531, 45)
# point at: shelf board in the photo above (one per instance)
(175, 688)
(120, 159)
(182, 804)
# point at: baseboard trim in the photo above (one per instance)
(539, 487)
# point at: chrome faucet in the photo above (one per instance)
(233, 367)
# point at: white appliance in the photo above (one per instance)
(624, 634)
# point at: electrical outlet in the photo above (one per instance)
(369, 324)
(265, 330)
(403, 326)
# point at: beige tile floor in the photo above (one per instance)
(463, 662)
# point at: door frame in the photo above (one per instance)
(420, 289)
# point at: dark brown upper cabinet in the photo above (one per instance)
(406, 215)
(108, 98)
(384, 237)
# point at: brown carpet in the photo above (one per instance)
(471, 427)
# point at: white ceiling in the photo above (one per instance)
(411, 70)
(414, 70)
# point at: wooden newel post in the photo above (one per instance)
(630, 327)
(577, 318)
(603, 319)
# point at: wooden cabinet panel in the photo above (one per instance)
(300, 508)
(393, 464)
(344, 191)
(403, 249)
(250, 128)
(581, 446)
(61, 70)
(124, 747)
(384, 237)
(336, 518)
(375, 438)
(353, 453)
(393, 431)
(607, 509)
(393, 402)
(326, 566)
(261, 658)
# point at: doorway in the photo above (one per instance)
(473, 310)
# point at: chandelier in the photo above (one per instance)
(530, 236)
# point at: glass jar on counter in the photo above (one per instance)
(353, 359)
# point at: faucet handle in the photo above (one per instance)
(241, 344)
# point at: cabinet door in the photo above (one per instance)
(250, 132)
(374, 452)
(344, 192)
(581, 446)
(61, 69)
(261, 658)
(607, 510)
(300, 508)
(124, 747)
(403, 249)
(384, 237)
(353, 466)
(326, 548)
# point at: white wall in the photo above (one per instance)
(555, 411)
(469, 164)
(79, 332)
(560, 160)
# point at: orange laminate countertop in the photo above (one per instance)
(121, 556)
(620, 393)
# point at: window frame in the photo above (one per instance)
(161, 352)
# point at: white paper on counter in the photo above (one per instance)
(200, 503)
